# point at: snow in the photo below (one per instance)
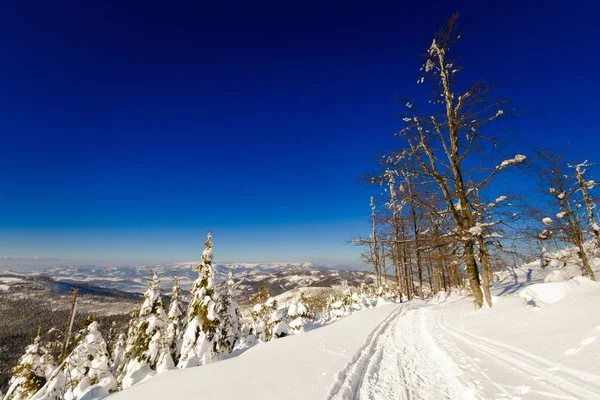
(295, 367)
(553, 292)
(476, 230)
(538, 341)
(6, 282)
(518, 159)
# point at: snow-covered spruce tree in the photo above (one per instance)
(117, 355)
(259, 317)
(119, 368)
(171, 348)
(229, 332)
(337, 307)
(276, 323)
(85, 373)
(299, 315)
(269, 321)
(31, 372)
(201, 335)
(146, 337)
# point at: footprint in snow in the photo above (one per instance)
(572, 351)
(524, 389)
(589, 340)
(582, 344)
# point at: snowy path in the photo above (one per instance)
(415, 351)
(401, 361)
(419, 353)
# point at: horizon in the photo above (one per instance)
(130, 131)
(32, 264)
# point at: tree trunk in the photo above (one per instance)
(584, 259)
(485, 274)
(472, 273)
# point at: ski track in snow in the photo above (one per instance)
(414, 354)
(401, 361)
(551, 379)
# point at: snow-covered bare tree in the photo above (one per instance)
(441, 144)
(585, 186)
(570, 220)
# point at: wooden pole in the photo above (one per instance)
(70, 328)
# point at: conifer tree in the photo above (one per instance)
(259, 316)
(229, 319)
(31, 372)
(144, 342)
(171, 350)
(85, 373)
(299, 315)
(201, 334)
(117, 353)
(276, 322)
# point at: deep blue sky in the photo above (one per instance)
(129, 129)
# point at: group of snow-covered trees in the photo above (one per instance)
(441, 221)
(85, 372)
(159, 338)
(156, 340)
(269, 321)
(351, 300)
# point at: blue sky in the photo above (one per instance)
(129, 130)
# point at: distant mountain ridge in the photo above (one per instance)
(248, 277)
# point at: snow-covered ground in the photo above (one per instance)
(295, 367)
(539, 341)
(6, 282)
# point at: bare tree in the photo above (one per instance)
(584, 188)
(440, 144)
(564, 189)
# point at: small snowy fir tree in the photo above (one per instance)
(274, 320)
(299, 315)
(229, 319)
(85, 373)
(146, 338)
(117, 354)
(31, 372)
(175, 328)
(200, 338)
(259, 315)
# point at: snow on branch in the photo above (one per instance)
(518, 159)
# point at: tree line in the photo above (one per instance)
(439, 222)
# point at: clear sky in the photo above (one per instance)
(128, 129)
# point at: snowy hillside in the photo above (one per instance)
(539, 341)
(302, 366)
(248, 277)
